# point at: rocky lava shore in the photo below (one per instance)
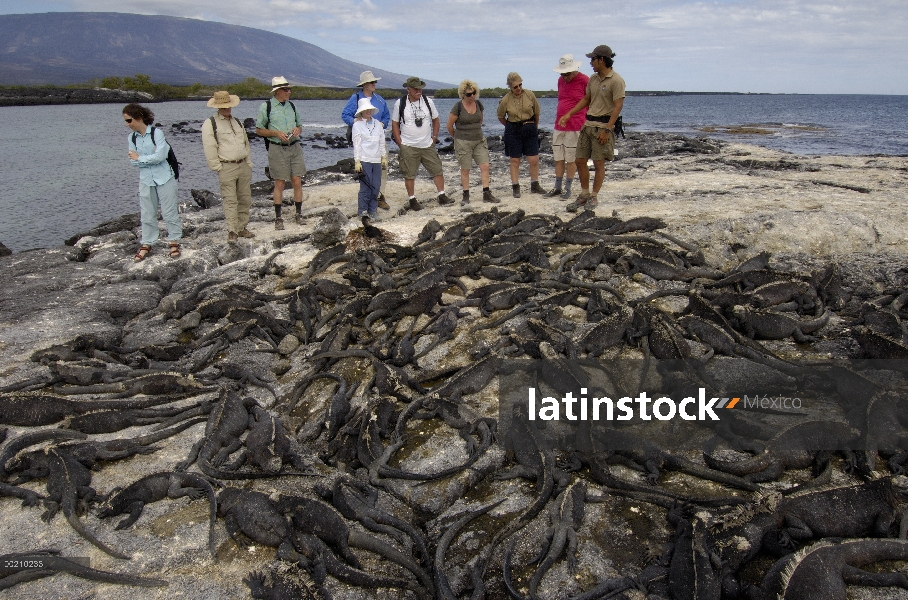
(243, 317)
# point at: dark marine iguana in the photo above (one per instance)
(560, 537)
(325, 523)
(52, 563)
(153, 488)
(68, 488)
(824, 569)
(796, 447)
(768, 325)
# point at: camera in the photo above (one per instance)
(418, 121)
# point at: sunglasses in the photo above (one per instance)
(517, 87)
(128, 120)
(284, 89)
(469, 93)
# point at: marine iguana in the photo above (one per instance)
(824, 569)
(154, 488)
(357, 501)
(561, 536)
(313, 555)
(796, 447)
(52, 563)
(252, 515)
(32, 409)
(767, 325)
(322, 521)
(69, 487)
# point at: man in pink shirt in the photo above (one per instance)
(571, 89)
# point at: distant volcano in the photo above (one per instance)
(74, 47)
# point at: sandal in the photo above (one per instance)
(143, 252)
(174, 250)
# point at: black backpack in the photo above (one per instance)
(403, 106)
(268, 118)
(171, 157)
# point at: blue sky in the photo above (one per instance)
(777, 46)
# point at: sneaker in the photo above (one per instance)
(414, 204)
(535, 188)
(566, 194)
(515, 190)
(373, 216)
(279, 224)
(382, 203)
(298, 219)
(443, 199)
(231, 237)
(488, 197)
(246, 234)
(555, 192)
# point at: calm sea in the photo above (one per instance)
(64, 168)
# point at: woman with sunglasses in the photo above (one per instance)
(157, 186)
(465, 126)
(519, 112)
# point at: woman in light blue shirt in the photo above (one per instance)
(157, 186)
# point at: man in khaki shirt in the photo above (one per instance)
(227, 152)
(605, 99)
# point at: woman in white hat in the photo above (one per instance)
(367, 82)
(370, 156)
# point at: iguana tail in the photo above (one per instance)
(76, 524)
(740, 468)
(719, 476)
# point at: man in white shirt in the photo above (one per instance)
(414, 127)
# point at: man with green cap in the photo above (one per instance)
(605, 99)
(414, 127)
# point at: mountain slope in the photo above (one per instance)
(73, 47)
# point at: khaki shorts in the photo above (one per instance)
(588, 145)
(285, 162)
(410, 158)
(467, 151)
(564, 145)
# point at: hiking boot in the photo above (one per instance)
(566, 194)
(488, 197)
(231, 237)
(553, 193)
(279, 224)
(414, 204)
(515, 190)
(535, 188)
(246, 234)
(443, 199)
(382, 203)
(298, 219)
(465, 199)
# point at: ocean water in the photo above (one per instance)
(63, 169)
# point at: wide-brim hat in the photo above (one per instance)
(279, 82)
(602, 50)
(567, 64)
(415, 83)
(367, 77)
(364, 104)
(223, 99)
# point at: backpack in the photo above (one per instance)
(214, 128)
(268, 118)
(350, 127)
(403, 106)
(171, 157)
